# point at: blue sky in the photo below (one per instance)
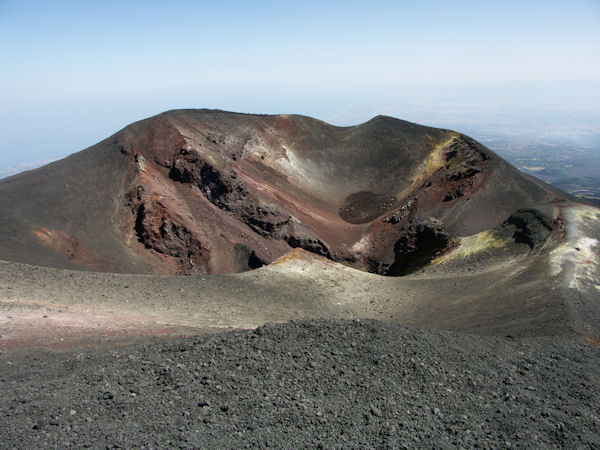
(74, 72)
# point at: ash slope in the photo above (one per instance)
(487, 284)
(323, 383)
(198, 191)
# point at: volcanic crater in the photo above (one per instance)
(279, 217)
(270, 217)
(212, 192)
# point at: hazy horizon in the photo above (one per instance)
(73, 74)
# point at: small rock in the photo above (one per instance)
(375, 411)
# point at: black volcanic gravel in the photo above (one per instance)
(319, 383)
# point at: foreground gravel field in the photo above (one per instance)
(317, 383)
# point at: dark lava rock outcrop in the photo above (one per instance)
(198, 191)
